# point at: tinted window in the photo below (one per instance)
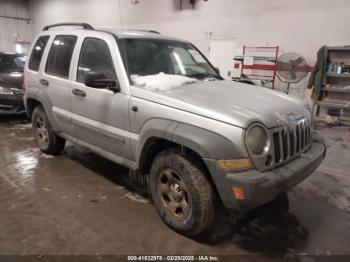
(60, 55)
(37, 53)
(95, 55)
(11, 63)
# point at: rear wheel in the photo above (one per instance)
(181, 193)
(45, 137)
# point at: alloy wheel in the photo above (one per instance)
(173, 194)
(41, 131)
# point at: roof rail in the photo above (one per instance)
(83, 25)
(141, 30)
(153, 31)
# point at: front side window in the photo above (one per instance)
(37, 52)
(60, 55)
(143, 57)
(95, 56)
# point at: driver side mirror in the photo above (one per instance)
(217, 70)
(98, 79)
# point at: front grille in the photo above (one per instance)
(290, 141)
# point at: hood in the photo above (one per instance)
(230, 102)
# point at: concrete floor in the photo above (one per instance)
(79, 203)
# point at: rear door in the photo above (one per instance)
(55, 80)
(100, 116)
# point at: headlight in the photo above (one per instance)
(257, 139)
(5, 91)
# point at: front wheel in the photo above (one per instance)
(181, 193)
(45, 137)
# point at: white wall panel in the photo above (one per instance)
(296, 26)
(11, 28)
(300, 26)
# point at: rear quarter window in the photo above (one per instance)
(60, 55)
(37, 52)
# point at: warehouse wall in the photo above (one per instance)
(299, 26)
(11, 28)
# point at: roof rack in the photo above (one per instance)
(83, 25)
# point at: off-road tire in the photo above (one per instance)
(201, 214)
(53, 144)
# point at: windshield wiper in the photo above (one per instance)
(204, 75)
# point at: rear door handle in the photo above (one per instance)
(44, 82)
(78, 92)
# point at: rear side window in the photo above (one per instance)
(37, 53)
(95, 55)
(60, 55)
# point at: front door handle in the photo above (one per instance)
(78, 92)
(44, 82)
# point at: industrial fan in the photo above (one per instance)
(291, 68)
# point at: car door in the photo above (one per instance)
(100, 116)
(55, 80)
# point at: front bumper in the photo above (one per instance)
(11, 103)
(262, 187)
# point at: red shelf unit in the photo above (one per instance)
(270, 66)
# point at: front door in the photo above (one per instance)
(100, 116)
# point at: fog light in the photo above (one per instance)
(238, 192)
(235, 164)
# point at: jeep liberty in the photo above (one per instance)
(156, 105)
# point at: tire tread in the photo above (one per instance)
(202, 191)
(56, 143)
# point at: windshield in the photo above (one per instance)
(11, 63)
(145, 57)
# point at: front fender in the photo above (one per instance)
(204, 142)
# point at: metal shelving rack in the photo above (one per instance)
(334, 96)
(269, 59)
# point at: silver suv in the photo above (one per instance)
(156, 105)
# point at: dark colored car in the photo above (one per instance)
(11, 82)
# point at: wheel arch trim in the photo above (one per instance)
(205, 143)
(46, 104)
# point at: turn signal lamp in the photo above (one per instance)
(235, 164)
(238, 192)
